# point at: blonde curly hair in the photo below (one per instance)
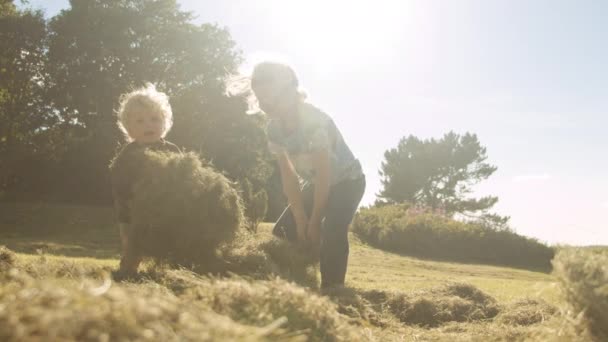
(145, 98)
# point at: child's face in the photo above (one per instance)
(145, 126)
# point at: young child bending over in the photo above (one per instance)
(144, 117)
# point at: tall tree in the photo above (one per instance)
(22, 80)
(439, 174)
(99, 49)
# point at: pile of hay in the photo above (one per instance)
(527, 312)
(55, 309)
(363, 307)
(7, 258)
(182, 211)
(171, 305)
(583, 275)
(262, 256)
(454, 302)
(265, 301)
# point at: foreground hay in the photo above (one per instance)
(52, 310)
(181, 210)
(583, 275)
(264, 302)
(171, 305)
(52, 298)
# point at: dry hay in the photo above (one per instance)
(181, 210)
(50, 309)
(363, 307)
(7, 258)
(177, 305)
(583, 275)
(455, 302)
(527, 311)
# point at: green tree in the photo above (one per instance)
(7, 7)
(439, 174)
(25, 123)
(99, 49)
(219, 129)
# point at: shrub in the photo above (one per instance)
(428, 235)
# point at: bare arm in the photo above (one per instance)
(320, 160)
(291, 188)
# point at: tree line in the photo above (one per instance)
(61, 78)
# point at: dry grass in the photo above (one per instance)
(527, 311)
(451, 303)
(257, 256)
(7, 258)
(182, 211)
(389, 298)
(58, 298)
(45, 297)
(583, 275)
(47, 309)
(82, 303)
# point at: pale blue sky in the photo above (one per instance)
(529, 77)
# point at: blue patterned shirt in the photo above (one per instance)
(315, 131)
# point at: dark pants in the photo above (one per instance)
(342, 204)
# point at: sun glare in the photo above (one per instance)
(341, 32)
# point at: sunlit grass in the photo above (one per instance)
(371, 268)
(378, 283)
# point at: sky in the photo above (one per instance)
(530, 78)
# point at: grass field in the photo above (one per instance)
(76, 247)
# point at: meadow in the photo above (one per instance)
(56, 285)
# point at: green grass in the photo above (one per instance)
(86, 232)
(371, 268)
(63, 248)
(58, 229)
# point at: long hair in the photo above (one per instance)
(267, 71)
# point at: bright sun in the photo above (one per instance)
(341, 32)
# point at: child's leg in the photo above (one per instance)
(129, 260)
